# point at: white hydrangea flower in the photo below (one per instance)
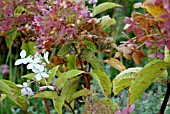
(25, 89)
(34, 63)
(23, 59)
(40, 73)
(49, 87)
(46, 54)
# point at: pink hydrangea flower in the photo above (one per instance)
(126, 110)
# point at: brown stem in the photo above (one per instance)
(81, 64)
(68, 104)
(164, 104)
(46, 107)
(45, 104)
(88, 77)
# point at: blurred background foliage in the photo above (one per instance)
(149, 102)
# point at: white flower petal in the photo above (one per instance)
(29, 59)
(35, 70)
(44, 74)
(23, 53)
(37, 60)
(43, 88)
(24, 91)
(51, 87)
(30, 66)
(18, 62)
(24, 61)
(38, 77)
(46, 57)
(30, 92)
(41, 68)
(37, 66)
(25, 84)
(19, 85)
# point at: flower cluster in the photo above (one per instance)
(14, 14)
(152, 28)
(36, 63)
(25, 89)
(126, 110)
(4, 69)
(59, 21)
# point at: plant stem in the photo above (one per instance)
(68, 104)
(45, 104)
(162, 109)
(46, 107)
(82, 68)
(88, 77)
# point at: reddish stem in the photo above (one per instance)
(46, 107)
(81, 64)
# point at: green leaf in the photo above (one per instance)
(11, 36)
(29, 76)
(28, 47)
(18, 11)
(109, 103)
(167, 55)
(64, 50)
(46, 94)
(67, 75)
(13, 92)
(72, 62)
(80, 93)
(3, 96)
(52, 74)
(58, 104)
(91, 46)
(162, 77)
(124, 79)
(93, 60)
(103, 81)
(69, 88)
(145, 77)
(107, 22)
(103, 7)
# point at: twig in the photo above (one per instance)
(46, 107)
(163, 107)
(82, 68)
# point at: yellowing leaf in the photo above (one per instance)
(46, 94)
(103, 7)
(162, 77)
(13, 92)
(107, 22)
(109, 103)
(29, 76)
(115, 63)
(156, 11)
(145, 77)
(3, 96)
(167, 55)
(83, 92)
(124, 79)
(103, 81)
(67, 75)
(58, 104)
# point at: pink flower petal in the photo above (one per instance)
(131, 108)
